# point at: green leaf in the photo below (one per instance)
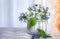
(39, 10)
(41, 31)
(48, 35)
(43, 17)
(30, 9)
(22, 17)
(43, 34)
(32, 22)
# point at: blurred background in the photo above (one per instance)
(10, 11)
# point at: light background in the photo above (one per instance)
(11, 9)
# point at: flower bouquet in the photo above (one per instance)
(35, 13)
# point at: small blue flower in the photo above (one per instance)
(43, 9)
(33, 36)
(46, 17)
(46, 8)
(45, 38)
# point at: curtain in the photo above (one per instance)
(58, 14)
(5, 13)
(11, 9)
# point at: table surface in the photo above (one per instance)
(18, 33)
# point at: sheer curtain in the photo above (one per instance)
(10, 11)
(5, 13)
(20, 6)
